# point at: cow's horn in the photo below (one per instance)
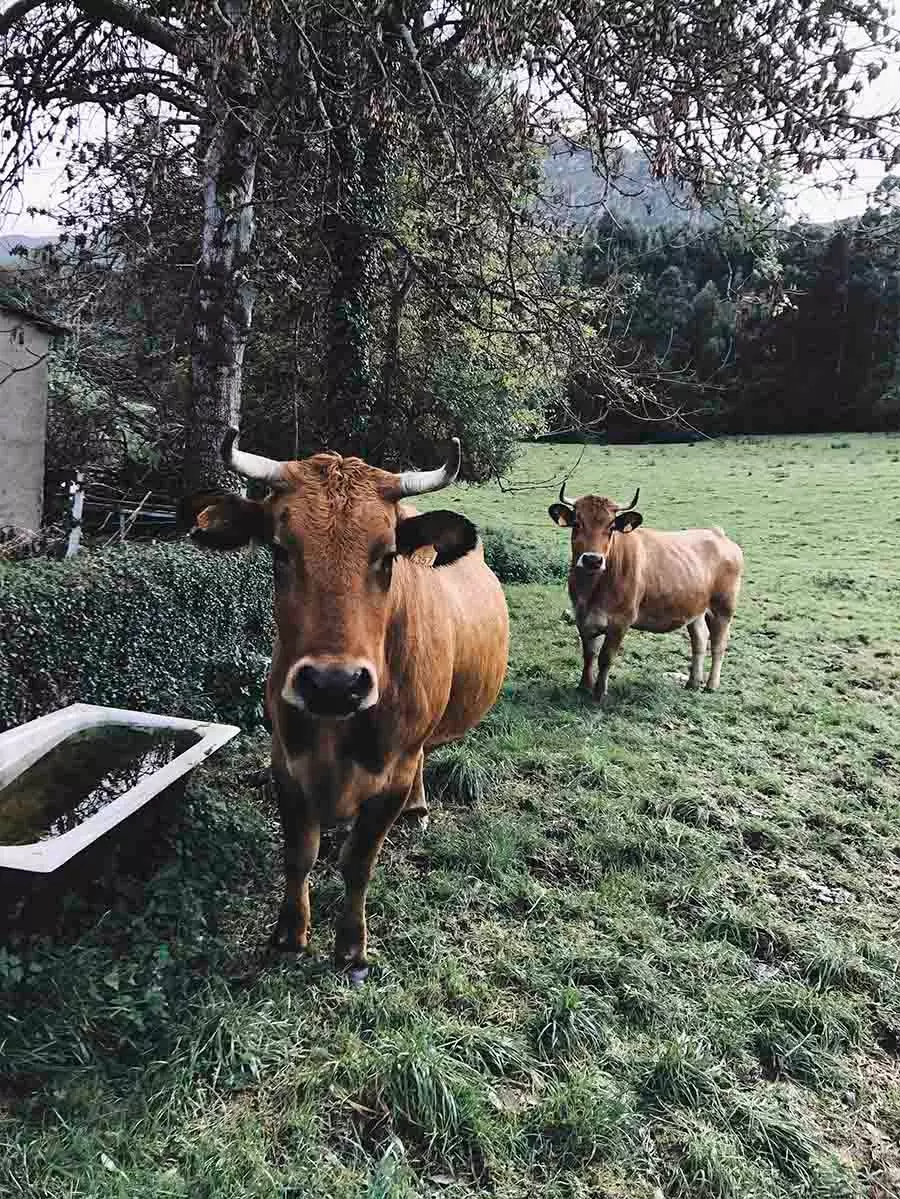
(633, 502)
(563, 498)
(418, 482)
(250, 466)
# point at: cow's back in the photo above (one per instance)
(678, 574)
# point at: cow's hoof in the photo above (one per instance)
(693, 685)
(354, 969)
(286, 936)
(417, 817)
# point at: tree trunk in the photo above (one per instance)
(356, 264)
(399, 291)
(222, 297)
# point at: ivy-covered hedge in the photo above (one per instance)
(165, 628)
(514, 559)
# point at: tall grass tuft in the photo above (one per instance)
(681, 1074)
(582, 1119)
(461, 774)
(575, 1024)
(701, 1162)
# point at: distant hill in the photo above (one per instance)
(9, 241)
(577, 195)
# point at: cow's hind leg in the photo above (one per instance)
(699, 634)
(301, 848)
(719, 620)
(416, 806)
(357, 861)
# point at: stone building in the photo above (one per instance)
(25, 338)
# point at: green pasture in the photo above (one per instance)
(646, 950)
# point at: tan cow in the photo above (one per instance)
(625, 577)
(382, 652)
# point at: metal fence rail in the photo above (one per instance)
(98, 505)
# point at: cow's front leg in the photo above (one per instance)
(612, 643)
(357, 861)
(590, 648)
(301, 848)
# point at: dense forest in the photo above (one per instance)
(792, 329)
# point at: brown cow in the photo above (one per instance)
(383, 651)
(623, 577)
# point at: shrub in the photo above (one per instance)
(160, 628)
(516, 560)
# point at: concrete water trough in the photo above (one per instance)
(71, 779)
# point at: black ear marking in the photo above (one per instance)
(562, 515)
(451, 535)
(626, 521)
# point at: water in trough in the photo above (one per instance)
(81, 775)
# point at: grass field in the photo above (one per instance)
(650, 950)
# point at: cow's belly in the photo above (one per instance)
(471, 697)
(659, 625)
(666, 616)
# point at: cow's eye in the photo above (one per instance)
(280, 560)
(385, 567)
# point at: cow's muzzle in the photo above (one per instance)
(331, 687)
(591, 562)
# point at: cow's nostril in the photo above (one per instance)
(361, 683)
(306, 679)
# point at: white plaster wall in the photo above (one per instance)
(23, 420)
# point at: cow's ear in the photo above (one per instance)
(626, 521)
(222, 521)
(562, 515)
(450, 534)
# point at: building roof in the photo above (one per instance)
(36, 318)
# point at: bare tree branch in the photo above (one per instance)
(15, 12)
(134, 21)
